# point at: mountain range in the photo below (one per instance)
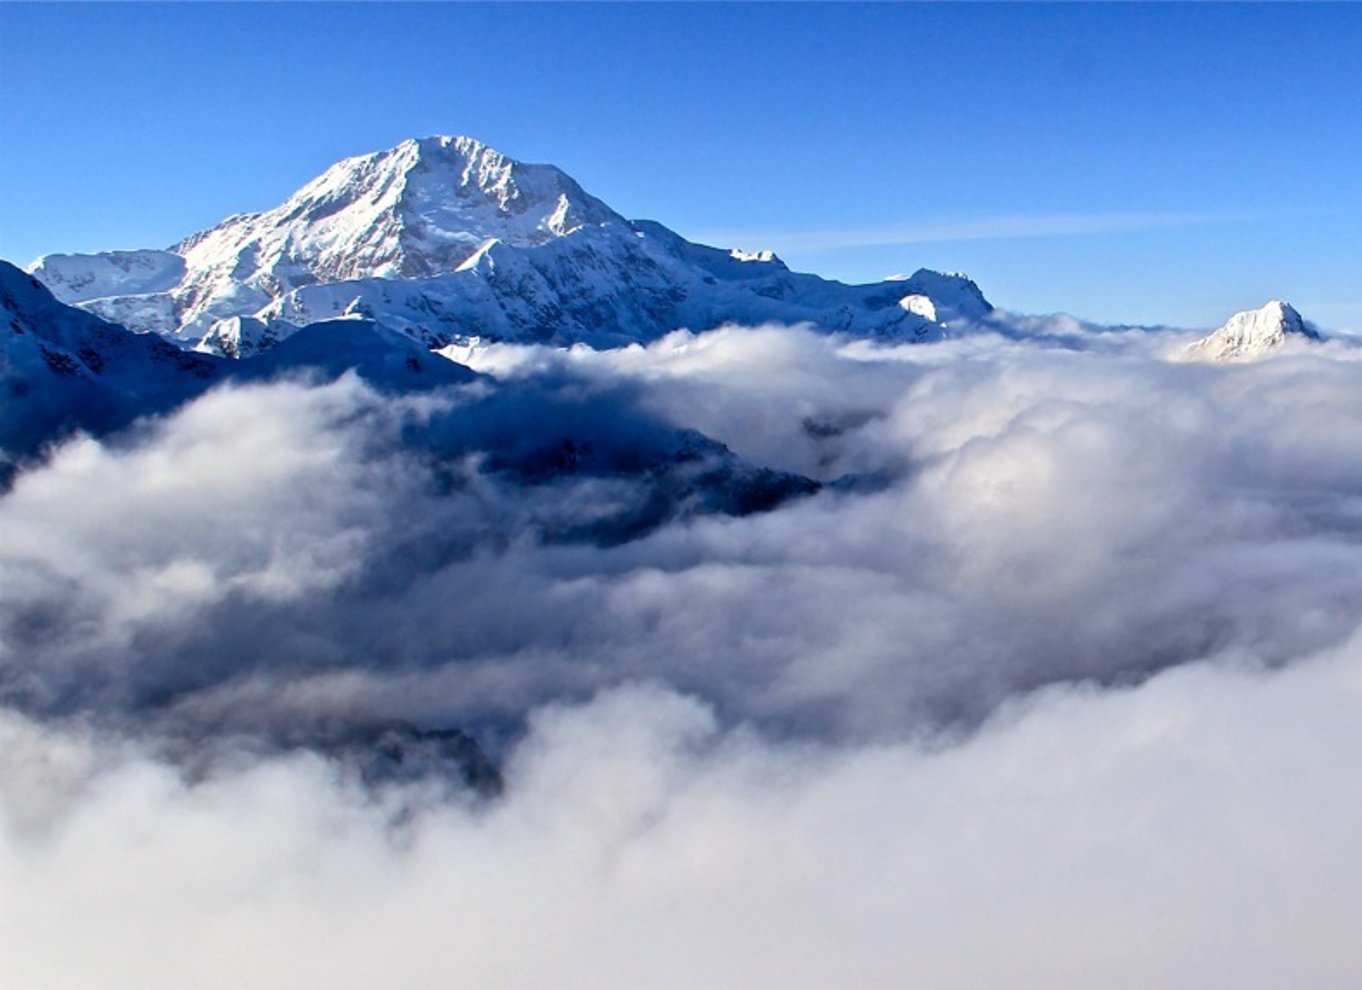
(444, 243)
(447, 240)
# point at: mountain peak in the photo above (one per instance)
(1254, 333)
(445, 238)
(1284, 313)
(416, 210)
(439, 171)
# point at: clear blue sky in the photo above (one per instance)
(1162, 163)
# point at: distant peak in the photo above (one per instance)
(1253, 333)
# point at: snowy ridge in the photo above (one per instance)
(445, 239)
(605, 287)
(1254, 333)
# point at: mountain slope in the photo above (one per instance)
(445, 239)
(63, 369)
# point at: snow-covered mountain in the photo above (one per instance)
(1254, 333)
(444, 239)
(64, 370)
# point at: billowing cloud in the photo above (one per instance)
(1201, 828)
(1056, 676)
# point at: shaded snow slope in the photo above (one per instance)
(445, 239)
(63, 369)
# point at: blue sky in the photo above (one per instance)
(1142, 163)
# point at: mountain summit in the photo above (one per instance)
(445, 239)
(1254, 333)
(419, 209)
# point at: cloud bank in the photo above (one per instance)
(1200, 829)
(1057, 676)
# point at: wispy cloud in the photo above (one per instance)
(983, 228)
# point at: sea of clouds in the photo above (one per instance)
(1057, 681)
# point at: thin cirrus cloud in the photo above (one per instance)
(1001, 227)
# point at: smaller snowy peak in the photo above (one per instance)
(1254, 333)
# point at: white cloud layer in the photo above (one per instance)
(1200, 830)
(1062, 687)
